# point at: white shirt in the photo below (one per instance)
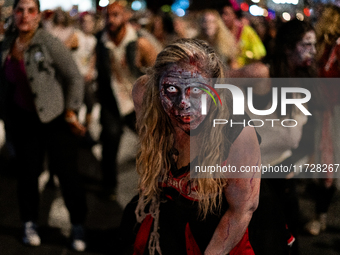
(85, 51)
(121, 79)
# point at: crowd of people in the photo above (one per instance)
(150, 73)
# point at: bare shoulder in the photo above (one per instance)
(247, 139)
(245, 152)
(246, 148)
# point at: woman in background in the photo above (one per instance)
(327, 150)
(40, 91)
(294, 56)
(213, 30)
(63, 29)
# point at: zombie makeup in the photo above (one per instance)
(305, 51)
(26, 16)
(181, 94)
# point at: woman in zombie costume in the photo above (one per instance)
(176, 213)
(327, 143)
(294, 54)
(219, 208)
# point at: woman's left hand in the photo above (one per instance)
(72, 120)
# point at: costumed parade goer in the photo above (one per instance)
(177, 213)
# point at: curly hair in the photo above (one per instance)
(156, 132)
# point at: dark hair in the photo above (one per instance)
(288, 35)
(11, 27)
(167, 22)
(291, 32)
(16, 2)
(60, 13)
(220, 6)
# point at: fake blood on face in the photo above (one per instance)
(181, 95)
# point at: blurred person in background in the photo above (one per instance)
(47, 19)
(266, 29)
(163, 29)
(251, 47)
(139, 21)
(213, 30)
(41, 90)
(59, 25)
(295, 51)
(327, 143)
(294, 57)
(181, 28)
(85, 59)
(63, 29)
(122, 56)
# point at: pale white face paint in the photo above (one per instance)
(304, 53)
(181, 95)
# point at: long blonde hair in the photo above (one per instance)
(223, 42)
(156, 131)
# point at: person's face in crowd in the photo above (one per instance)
(87, 24)
(209, 25)
(60, 18)
(26, 16)
(115, 18)
(181, 95)
(305, 51)
(228, 16)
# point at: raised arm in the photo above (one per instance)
(242, 194)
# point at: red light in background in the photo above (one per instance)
(306, 11)
(244, 7)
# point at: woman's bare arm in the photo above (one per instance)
(242, 194)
